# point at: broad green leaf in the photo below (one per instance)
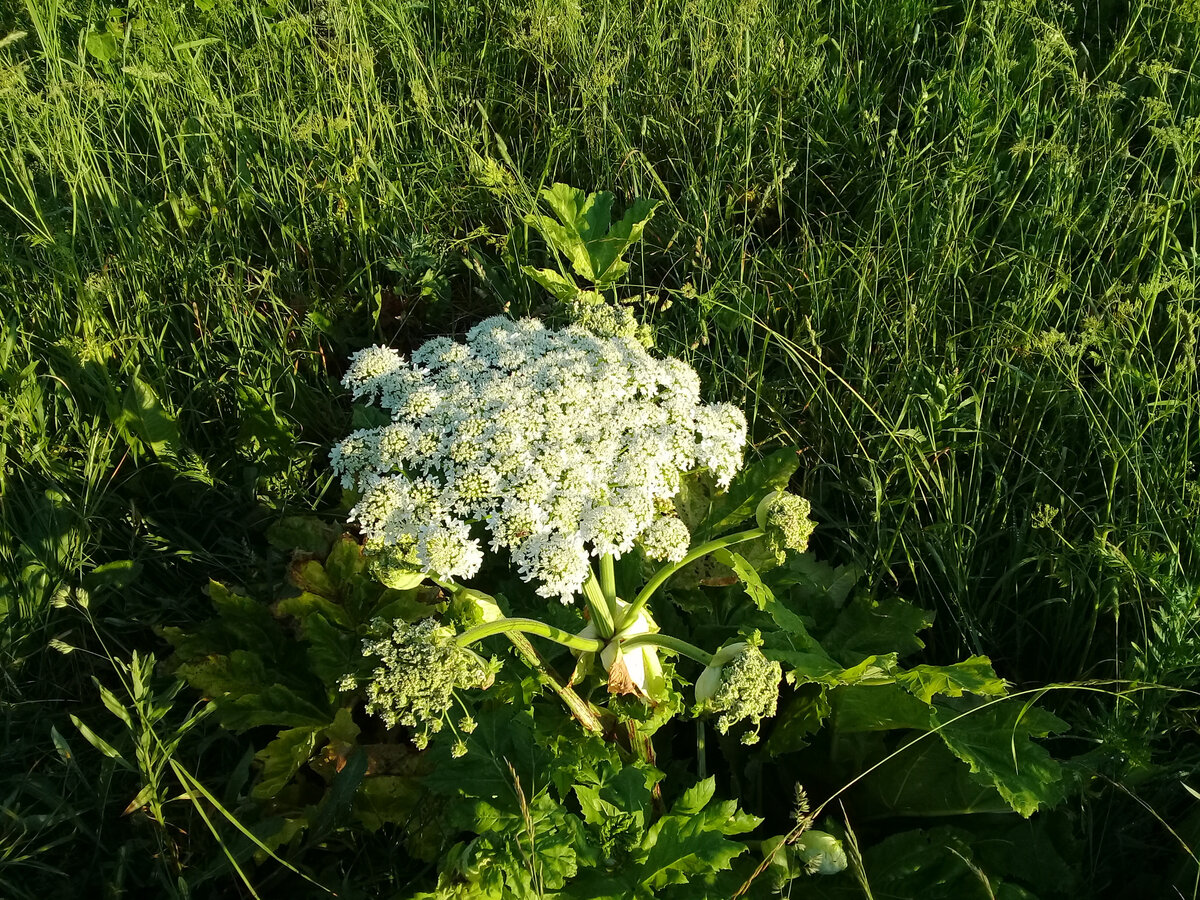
(345, 561)
(878, 707)
(282, 758)
(924, 779)
(996, 741)
(789, 622)
(561, 288)
(695, 798)
(801, 715)
(101, 44)
(974, 675)
(692, 839)
(143, 418)
(247, 696)
(739, 501)
(332, 652)
(306, 604)
(866, 627)
(310, 575)
(937, 864)
(306, 533)
(585, 234)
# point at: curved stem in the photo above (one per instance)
(529, 626)
(669, 643)
(668, 570)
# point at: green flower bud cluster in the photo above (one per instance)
(420, 668)
(741, 684)
(785, 519)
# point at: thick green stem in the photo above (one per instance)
(529, 626)
(669, 643)
(608, 580)
(584, 713)
(671, 568)
(598, 606)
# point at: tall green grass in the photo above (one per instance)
(948, 249)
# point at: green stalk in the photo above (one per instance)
(601, 612)
(671, 568)
(529, 626)
(608, 580)
(669, 643)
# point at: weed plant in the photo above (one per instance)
(949, 250)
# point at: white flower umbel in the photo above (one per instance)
(558, 442)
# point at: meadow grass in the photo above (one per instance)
(947, 249)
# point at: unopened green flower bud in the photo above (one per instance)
(822, 853)
(785, 519)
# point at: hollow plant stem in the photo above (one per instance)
(608, 580)
(600, 610)
(670, 569)
(529, 626)
(669, 643)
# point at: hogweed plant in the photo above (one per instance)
(552, 519)
(562, 451)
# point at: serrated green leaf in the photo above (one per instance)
(345, 562)
(695, 798)
(878, 707)
(332, 652)
(739, 501)
(306, 604)
(246, 695)
(974, 675)
(585, 234)
(996, 741)
(559, 287)
(867, 627)
(309, 575)
(305, 533)
(758, 592)
(925, 779)
(801, 715)
(282, 758)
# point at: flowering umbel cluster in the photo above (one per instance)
(420, 667)
(563, 444)
(740, 684)
(785, 519)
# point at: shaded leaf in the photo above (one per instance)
(739, 501)
(282, 758)
(996, 741)
(866, 627)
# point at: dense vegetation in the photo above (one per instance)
(947, 250)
